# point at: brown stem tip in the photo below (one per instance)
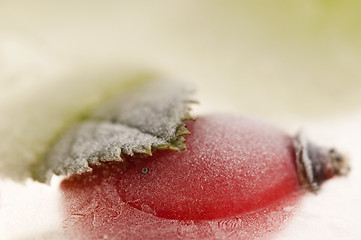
(317, 164)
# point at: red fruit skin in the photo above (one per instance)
(234, 167)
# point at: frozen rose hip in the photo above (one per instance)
(233, 166)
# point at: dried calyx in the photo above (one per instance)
(316, 164)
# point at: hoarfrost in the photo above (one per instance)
(151, 118)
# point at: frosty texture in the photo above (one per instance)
(230, 183)
(150, 118)
(232, 165)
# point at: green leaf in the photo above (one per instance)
(34, 118)
(151, 118)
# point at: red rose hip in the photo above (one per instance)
(233, 165)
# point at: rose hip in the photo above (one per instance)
(233, 165)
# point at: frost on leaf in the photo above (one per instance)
(148, 119)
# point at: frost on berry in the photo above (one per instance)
(233, 182)
(232, 165)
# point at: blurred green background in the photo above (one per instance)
(281, 60)
(267, 58)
